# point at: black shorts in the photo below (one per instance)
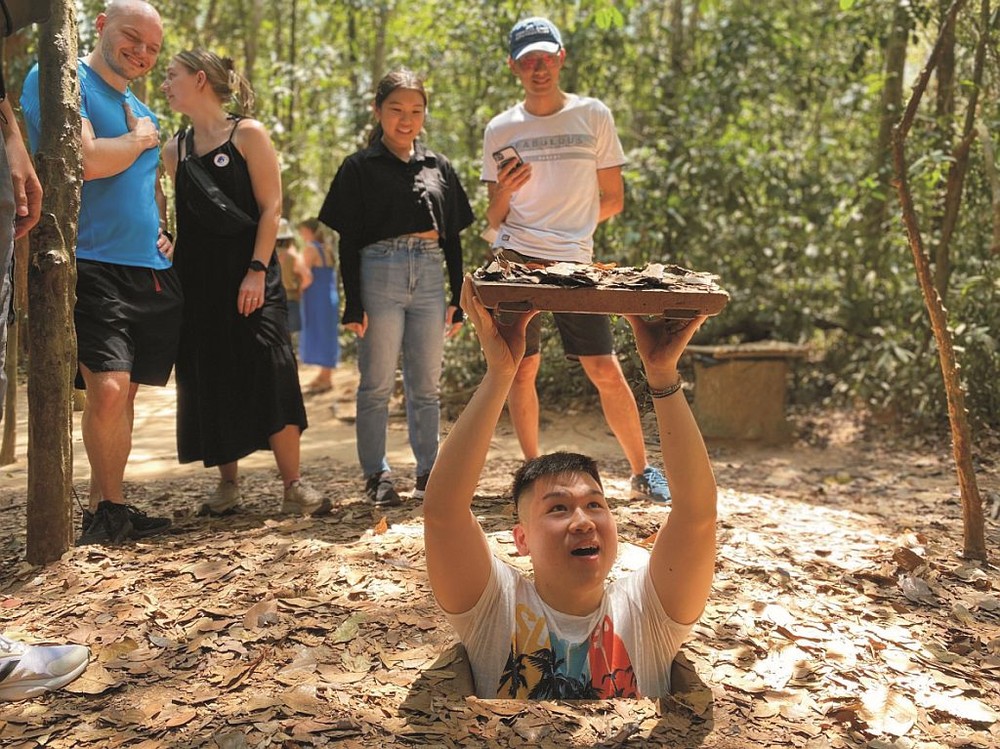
(581, 334)
(128, 319)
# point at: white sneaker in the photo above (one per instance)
(224, 500)
(30, 670)
(301, 499)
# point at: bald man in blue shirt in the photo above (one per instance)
(128, 308)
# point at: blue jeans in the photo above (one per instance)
(402, 289)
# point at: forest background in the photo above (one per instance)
(758, 146)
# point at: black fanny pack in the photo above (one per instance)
(205, 200)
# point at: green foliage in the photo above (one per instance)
(750, 131)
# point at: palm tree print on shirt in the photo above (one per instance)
(540, 666)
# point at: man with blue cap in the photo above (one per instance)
(553, 168)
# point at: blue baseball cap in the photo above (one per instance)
(534, 35)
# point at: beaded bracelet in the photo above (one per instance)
(668, 390)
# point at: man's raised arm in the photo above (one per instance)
(683, 558)
(458, 556)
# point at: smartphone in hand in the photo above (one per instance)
(506, 155)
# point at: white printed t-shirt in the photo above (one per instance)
(521, 648)
(554, 215)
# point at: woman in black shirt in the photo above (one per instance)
(399, 208)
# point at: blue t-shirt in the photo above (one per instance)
(119, 219)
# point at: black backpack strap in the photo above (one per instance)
(179, 135)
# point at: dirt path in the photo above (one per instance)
(329, 438)
(841, 614)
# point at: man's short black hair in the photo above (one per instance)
(549, 465)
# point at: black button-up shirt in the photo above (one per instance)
(376, 196)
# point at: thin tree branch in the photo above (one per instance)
(974, 542)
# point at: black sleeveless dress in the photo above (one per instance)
(237, 378)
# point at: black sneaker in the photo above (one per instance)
(109, 524)
(88, 518)
(421, 486)
(114, 523)
(381, 491)
(144, 525)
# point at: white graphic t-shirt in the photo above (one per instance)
(521, 648)
(554, 215)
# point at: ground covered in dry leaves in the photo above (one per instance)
(842, 616)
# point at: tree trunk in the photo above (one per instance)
(51, 284)
(875, 210)
(293, 166)
(889, 109)
(990, 166)
(209, 23)
(678, 42)
(877, 207)
(383, 14)
(293, 64)
(960, 160)
(974, 541)
(251, 41)
(944, 106)
(694, 21)
(944, 101)
(359, 99)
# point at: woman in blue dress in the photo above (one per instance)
(320, 307)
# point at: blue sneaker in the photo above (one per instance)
(651, 484)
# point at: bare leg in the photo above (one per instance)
(229, 471)
(618, 404)
(323, 379)
(522, 404)
(107, 431)
(285, 445)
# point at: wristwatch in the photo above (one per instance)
(257, 265)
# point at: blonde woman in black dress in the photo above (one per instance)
(237, 378)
